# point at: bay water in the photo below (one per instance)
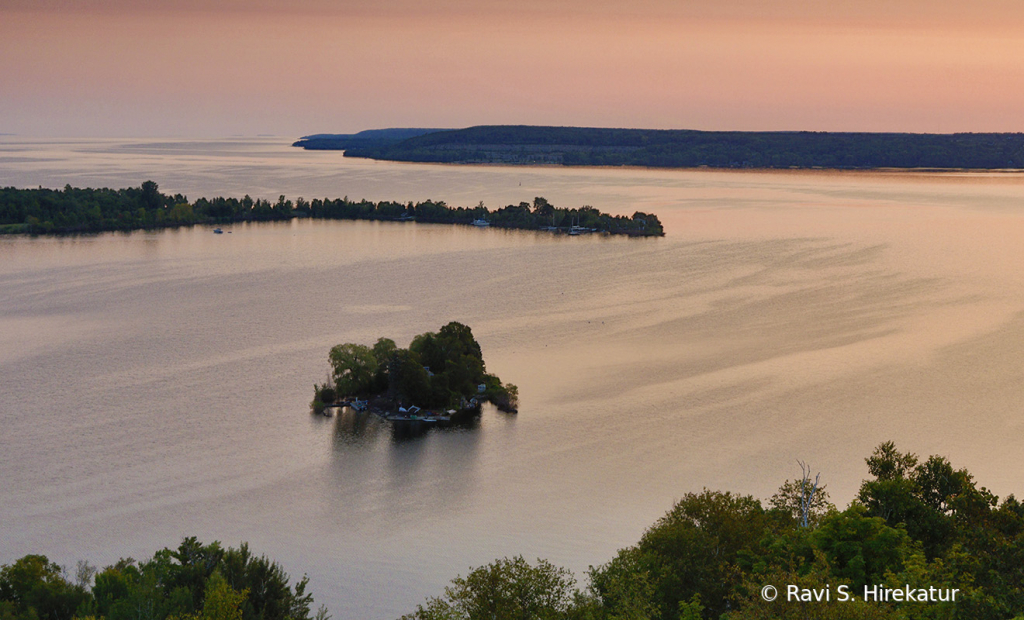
(155, 384)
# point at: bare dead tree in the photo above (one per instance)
(807, 491)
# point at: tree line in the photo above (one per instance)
(670, 148)
(43, 211)
(922, 524)
(917, 523)
(193, 582)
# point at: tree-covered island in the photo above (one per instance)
(440, 377)
(73, 210)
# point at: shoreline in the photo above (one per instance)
(812, 169)
(682, 148)
(18, 230)
(87, 210)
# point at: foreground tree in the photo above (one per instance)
(693, 553)
(196, 581)
(506, 589)
(34, 588)
(918, 524)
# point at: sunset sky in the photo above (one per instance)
(192, 68)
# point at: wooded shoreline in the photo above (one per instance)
(677, 148)
(74, 210)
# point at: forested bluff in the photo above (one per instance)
(677, 148)
(914, 525)
(72, 210)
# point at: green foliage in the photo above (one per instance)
(193, 582)
(438, 370)
(323, 395)
(354, 367)
(33, 588)
(328, 394)
(624, 588)
(692, 609)
(888, 463)
(522, 216)
(269, 595)
(861, 549)
(40, 211)
(918, 572)
(789, 498)
(506, 589)
(712, 553)
(222, 602)
(410, 381)
(695, 548)
(934, 502)
(815, 576)
(85, 210)
(385, 350)
(505, 397)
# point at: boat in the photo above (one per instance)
(218, 231)
(481, 222)
(576, 229)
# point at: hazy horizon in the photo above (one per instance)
(113, 68)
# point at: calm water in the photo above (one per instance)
(155, 385)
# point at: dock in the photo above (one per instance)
(402, 416)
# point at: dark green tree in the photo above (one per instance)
(506, 589)
(353, 367)
(35, 588)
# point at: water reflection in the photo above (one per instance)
(433, 476)
(399, 476)
(405, 455)
(363, 429)
(354, 429)
(410, 432)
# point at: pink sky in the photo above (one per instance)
(191, 68)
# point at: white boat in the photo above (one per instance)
(576, 229)
(481, 222)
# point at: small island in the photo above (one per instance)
(440, 378)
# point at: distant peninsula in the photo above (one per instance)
(672, 148)
(441, 377)
(74, 210)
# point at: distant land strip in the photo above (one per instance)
(672, 148)
(74, 210)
